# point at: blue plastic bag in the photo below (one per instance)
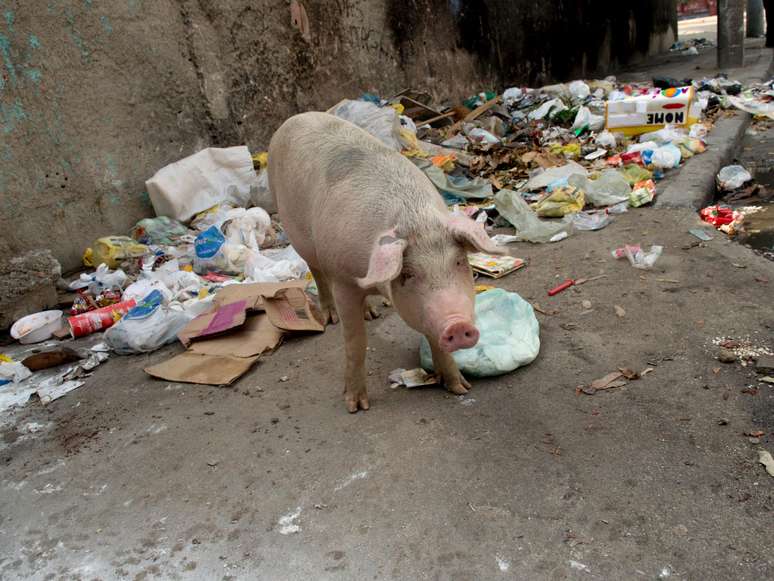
(509, 337)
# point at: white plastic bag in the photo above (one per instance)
(147, 326)
(100, 280)
(541, 179)
(512, 96)
(579, 90)
(733, 177)
(381, 122)
(605, 139)
(666, 156)
(275, 265)
(247, 227)
(201, 181)
(585, 117)
(13, 372)
(547, 109)
(509, 337)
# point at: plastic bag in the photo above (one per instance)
(608, 189)
(666, 156)
(143, 287)
(562, 201)
(455, 185)
(637, 257)
(112, 250)
(261, 195)
(541, 179)
(12, 371)
(590, 220)
(275, 265)
(147, 326)
(547, 109)
(158, 230)
(634, 173)
(381, 122)
(482, 136)
(579, 90)
(509, 337)
(667, 134)
(585, 118)
(203, 180)
(605, 139)
(732, 177)
(213, 253)
(247, 227)
(512, 96)
(528, 226)
(100, 280)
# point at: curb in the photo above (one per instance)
(694, 186)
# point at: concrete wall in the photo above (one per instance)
(96, 95)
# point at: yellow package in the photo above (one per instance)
(261, 159)
(570, 150)
(112, 250)
(562, 201)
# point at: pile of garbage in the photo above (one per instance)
(214, 269)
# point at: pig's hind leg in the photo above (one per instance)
(350, 301)
(327, 304)
(446, 367)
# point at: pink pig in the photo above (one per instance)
(368, 221)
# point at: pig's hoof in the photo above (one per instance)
(458, 386)
(355, 401)
(330, 316)
(370, 313)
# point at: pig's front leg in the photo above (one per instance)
(350, 301)
(447, 369)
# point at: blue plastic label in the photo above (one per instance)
(209, 242)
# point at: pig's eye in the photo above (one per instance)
(405, 276)
(461, 262)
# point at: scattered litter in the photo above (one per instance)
(578, 566)
(411, 378)
(619, 311)
(37, 327)
(637, 257)
(502, 564)
(494, 266)
(701, 234)
(287, 523)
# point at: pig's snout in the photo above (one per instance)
(459, 335)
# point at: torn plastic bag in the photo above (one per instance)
(579, 90)
(529, 227)
(667, 156)
(247, 227)
(732, 177)
(541, 179)
(158, 230)
(381, 122)
(100, 280)
(585, 118)
(547, 109)
(147, 326)
(275, 265)
(605, 139)
(203, 180)
(509, 337)
(214, 254)
(460, 186)
(591, 220)
(608, 189)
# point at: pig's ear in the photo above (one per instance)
(386, 260)
(473, 236)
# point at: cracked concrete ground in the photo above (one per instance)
(134, 478)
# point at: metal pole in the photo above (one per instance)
(730, 33)
(754, 18)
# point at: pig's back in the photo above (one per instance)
(337, 188)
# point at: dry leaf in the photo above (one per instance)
(619, 310)
(606, 381)
(629, 373)
(755, 434)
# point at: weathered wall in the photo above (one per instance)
(96, 95)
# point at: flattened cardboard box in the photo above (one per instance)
(226, 342)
